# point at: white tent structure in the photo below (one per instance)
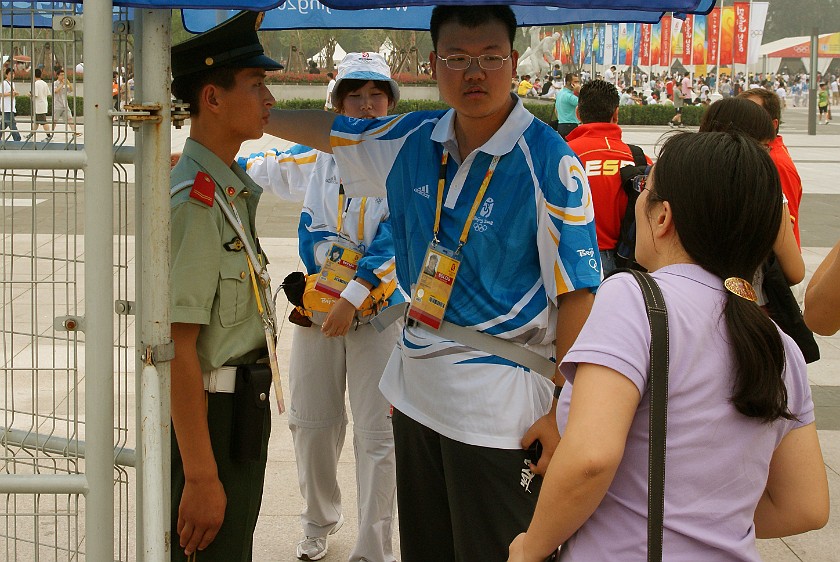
(321, 58)
(797, 47)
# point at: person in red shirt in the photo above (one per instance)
(597, 142)
(791, 182)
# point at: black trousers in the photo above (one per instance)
(243, 483)
(459, 502)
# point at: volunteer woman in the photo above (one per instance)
(340, 354)
(742, 456)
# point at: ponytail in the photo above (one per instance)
(758, 390)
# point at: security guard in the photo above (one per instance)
(218, 321)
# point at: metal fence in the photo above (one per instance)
(71, 245)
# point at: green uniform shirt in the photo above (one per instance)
(822, 96)
(211, 285)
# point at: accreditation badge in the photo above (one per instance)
(338, 269)
(434, 287)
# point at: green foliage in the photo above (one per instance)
(628, 114)
(23, 105)
(658, 114)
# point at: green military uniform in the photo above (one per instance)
(211, 286)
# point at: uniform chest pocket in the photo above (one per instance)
(236, 295)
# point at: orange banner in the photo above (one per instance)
(656, 43)
(665, 56)
(727, 34)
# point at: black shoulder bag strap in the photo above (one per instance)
(639, 158)
(658, 385)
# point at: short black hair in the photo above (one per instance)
(597, 101)
(38, 73)
(769, 101)
(7, 71)
(571, 76)
(472, 16)
(188, 88)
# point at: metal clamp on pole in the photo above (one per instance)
(180, 113)
(138, 113)
(153, 354)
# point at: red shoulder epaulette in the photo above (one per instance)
(203, 188)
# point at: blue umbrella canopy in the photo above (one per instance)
(306, 14)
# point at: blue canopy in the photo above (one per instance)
(309, 14)
(607, 8)
(385, 14)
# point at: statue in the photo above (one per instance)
(533, 61)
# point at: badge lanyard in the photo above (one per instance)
(431, 293)
(267, 314)
(342, 259)
(342, 210)
(481, 191)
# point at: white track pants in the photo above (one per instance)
(321, 370)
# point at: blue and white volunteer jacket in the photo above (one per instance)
(303, 173)
(532, 239)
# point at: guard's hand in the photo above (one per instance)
(173, 159)
(544, 429)
(339, 319)
(200, 514)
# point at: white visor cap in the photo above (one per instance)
(365, 66)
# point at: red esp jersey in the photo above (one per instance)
(603, 154)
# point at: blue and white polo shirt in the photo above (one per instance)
(532, 239)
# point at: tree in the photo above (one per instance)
(792, 19)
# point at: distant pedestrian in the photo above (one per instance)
(40, 105)
(328, 106)
(822, 104)
(566, 103)
(8, 94)
(61, 107)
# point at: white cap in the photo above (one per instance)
(365, 66)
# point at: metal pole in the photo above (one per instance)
(99, 282)
(153, 272)
(139, 469)
(812, 90)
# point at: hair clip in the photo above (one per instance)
(741, 288)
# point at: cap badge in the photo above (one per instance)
(208, 61)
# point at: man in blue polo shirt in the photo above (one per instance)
(505, 206)
(566, 103)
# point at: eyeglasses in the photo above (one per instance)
(463, 62)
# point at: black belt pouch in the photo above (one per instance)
(253, 383)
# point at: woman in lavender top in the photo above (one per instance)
(743, 460)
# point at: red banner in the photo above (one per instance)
(665, 51)
(713, 33)
(727, 34)
(644, 46)
(688, 37)
(742, 31)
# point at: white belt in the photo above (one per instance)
(222, 379)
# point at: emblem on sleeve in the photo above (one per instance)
(203, 188)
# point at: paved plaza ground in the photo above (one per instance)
(818, 161)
